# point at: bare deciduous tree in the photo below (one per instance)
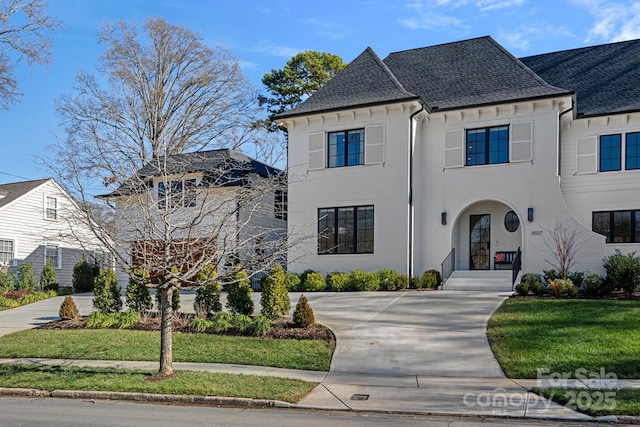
(147, 129)
(564, 242)
(24, 35)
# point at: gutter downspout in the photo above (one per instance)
(411, 149)
(562, 113)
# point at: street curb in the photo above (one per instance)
(149, 397)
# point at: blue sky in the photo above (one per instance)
(264, 34)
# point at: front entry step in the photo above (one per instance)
(479, 280)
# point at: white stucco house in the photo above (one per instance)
(200, 208)
(39, 223)
(462, 152)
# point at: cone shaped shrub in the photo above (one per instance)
(303, 314)
(207, 299)
(275, 297)
(239, 292)
(138, 294)
(48, 278)
(68, 309)
(107, 292)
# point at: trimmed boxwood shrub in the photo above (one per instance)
(338, 282)
(360, 280)
(314, 282)
(431, 279)
(292, 282)
(389, 279)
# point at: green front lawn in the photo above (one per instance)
(122, 380)
(564, 335)
(117, 344)
(596, 402)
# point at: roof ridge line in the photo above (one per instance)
(524, 67)
(388, 72)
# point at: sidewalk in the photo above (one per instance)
(415, 353)
(405, 394)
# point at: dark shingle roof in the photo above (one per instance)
(224, 167)
(12, 191)
(467, 73)
(365, 81)
(606, 78)
(453, 75)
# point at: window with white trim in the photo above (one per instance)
(52, 255)
(51, 208)
(6, 251)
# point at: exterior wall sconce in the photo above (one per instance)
(530, 214)
(443, 218)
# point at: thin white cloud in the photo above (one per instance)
(425, 18)
(482, 5)
(430, 15)
(326, 29)
(278, 51)
(614, 20)
(524, 36)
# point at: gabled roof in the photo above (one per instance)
(448, 76)
(606, 78)
(467, 73)
(365, 81)
(13, 191)
(224, 167)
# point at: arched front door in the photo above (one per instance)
(480, 242)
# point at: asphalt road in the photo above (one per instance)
(49, 412)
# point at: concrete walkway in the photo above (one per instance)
(408, 352)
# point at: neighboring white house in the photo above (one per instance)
(38, 223)
(463, 147)
(207, 205)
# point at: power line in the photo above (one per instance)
(15, 176)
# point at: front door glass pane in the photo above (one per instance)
(480, 239)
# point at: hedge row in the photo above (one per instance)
(359, 280)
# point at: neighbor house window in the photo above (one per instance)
(610, 153)
(52, 255)
(488, 146)
(6, 252)
(632, 151)
(346, 148)
(280, 204)
(618, 226)
(177, 193)
(345, 230)
(51, 208)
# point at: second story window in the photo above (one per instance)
(346, 148)
(632, 149)
(610, 153)
(280, 204)
(487, 146)
(51, 208)
(176, 194)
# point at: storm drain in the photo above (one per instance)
(360, 397)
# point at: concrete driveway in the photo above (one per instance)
(437, 333)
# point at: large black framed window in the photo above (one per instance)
(632, 151)
(487, 146)
(610, 152)
(618, 226)
(346, 148)
(345, 230)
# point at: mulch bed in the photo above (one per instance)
(280, 329)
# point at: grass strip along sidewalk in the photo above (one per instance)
(122, 344)
(51, 378)
(555, 338)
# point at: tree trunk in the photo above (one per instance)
(166, 328)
